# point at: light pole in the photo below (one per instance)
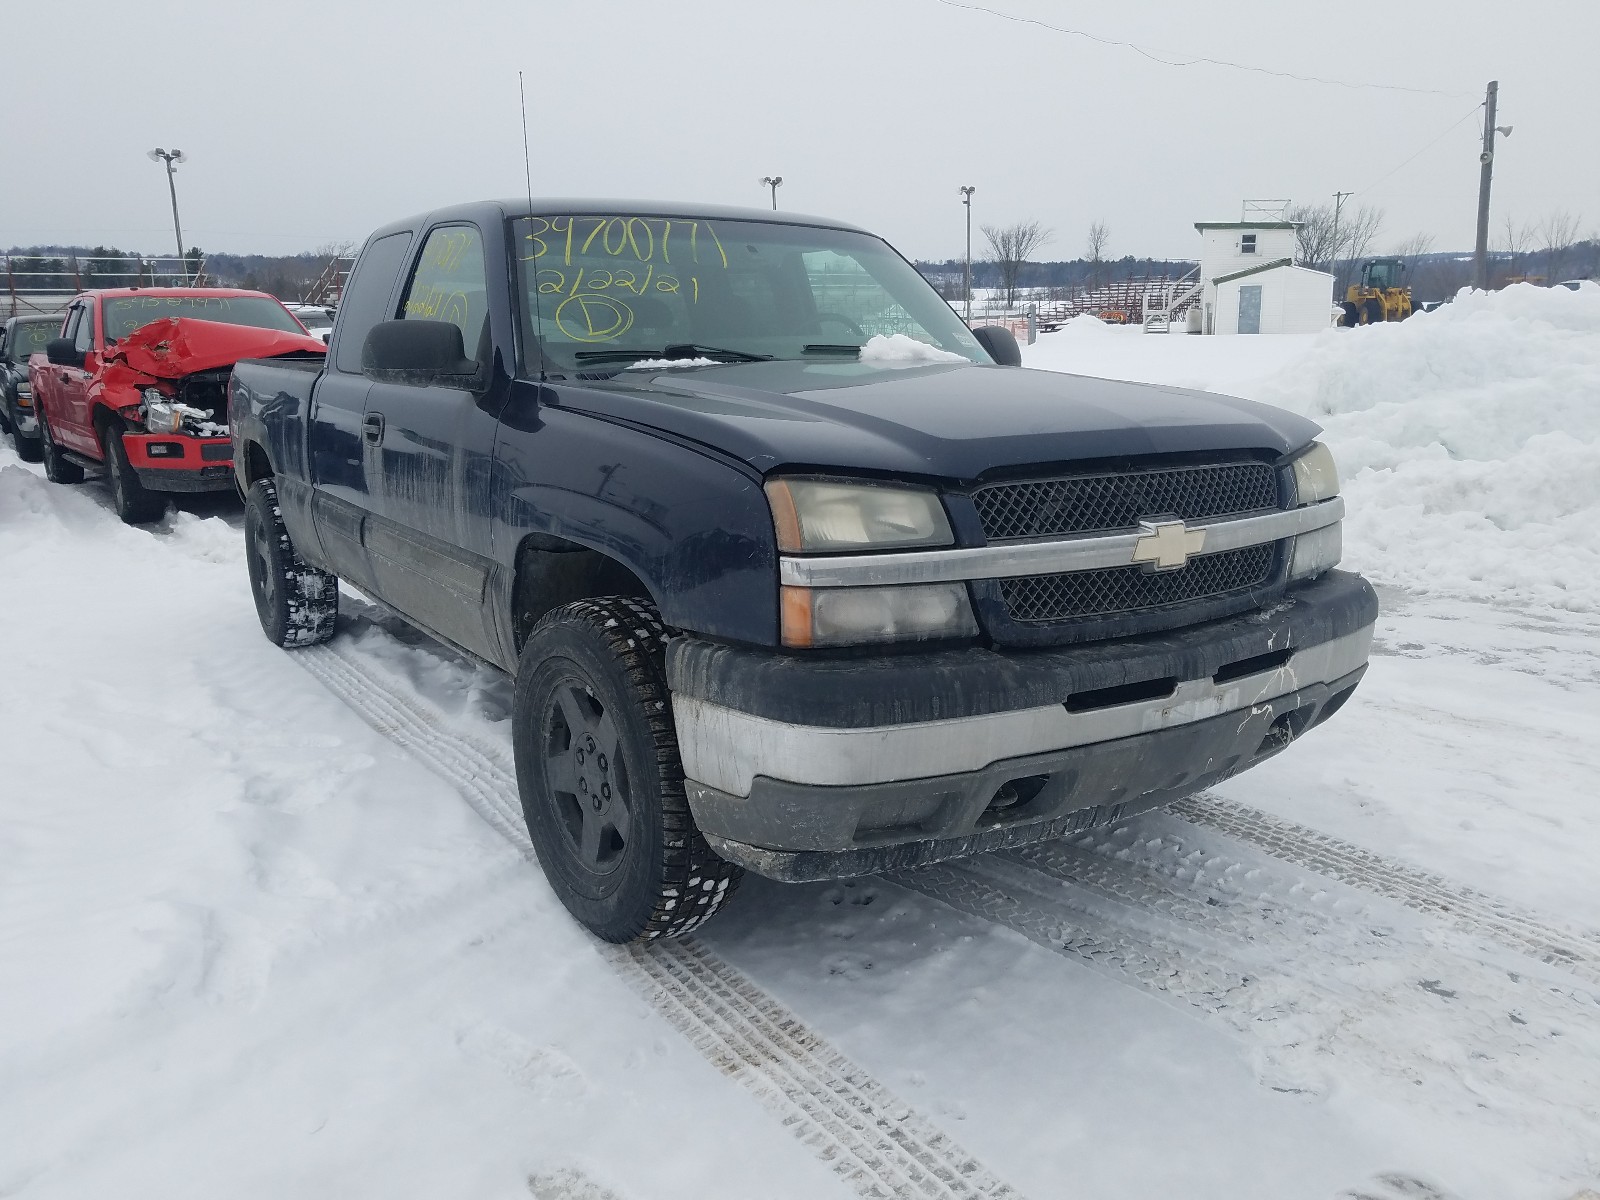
(966, 199)
(170, 157)
(774, 182)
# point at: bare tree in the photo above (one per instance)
(1516, 239)
(1012, 245)
(1324, 242)
(1099, 238)
(1414, 246)
(1557, 234)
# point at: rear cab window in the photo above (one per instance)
(366, 298)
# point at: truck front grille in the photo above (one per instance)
(1122, 590)
(1092, 503)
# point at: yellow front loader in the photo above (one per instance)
(1380, 296)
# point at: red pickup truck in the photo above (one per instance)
(136, 386)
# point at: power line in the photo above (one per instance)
(1471, 112)
(1157, 56)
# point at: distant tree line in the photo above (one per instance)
(71, 268)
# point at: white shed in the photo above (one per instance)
(1250, 283)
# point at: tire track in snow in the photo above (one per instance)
(1465, 908)
(1329, 986)
(871, 1139)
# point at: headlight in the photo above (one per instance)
(161, 415)
(813, 514)
(1315, 476)
(1317, 551)
(851, 616)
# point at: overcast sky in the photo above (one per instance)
(310, 123)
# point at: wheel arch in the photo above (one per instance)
(255, 464)
(552, 571)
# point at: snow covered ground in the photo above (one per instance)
(268, 925)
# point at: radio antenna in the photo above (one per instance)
(527, 174)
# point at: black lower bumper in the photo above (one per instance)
(911, 823)
(813, 767)
(198, 479)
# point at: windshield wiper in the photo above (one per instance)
(831, 348)
(679, 350)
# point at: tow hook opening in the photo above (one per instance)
(1285, 729)
(1012, 798)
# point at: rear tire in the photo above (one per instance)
(600, 778)
(1352, 315)
(298, 605)
(135, 503)
(56, 468)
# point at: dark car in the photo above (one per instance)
(21, 337)
(795, 573)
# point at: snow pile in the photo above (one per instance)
(898, 350)
(1086, 324)
(669, 364)
(1469, 440)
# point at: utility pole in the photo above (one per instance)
(1480, 258)
(170, 157)
(966, 199)
(774, 182)
(1333, 251)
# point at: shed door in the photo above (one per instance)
(1250, 308)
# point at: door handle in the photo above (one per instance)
(65, 378)
(372, 427)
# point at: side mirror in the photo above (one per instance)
(61, 352)
(1001, 344)
(420, 353)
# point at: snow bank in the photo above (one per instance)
(898, 350)
(1469, 439)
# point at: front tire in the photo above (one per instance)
(1374, 311)
(135, 503)
(600, 778)
(56, 468)
(298, 605)
(27, 447)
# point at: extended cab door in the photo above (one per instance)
(429, 455)
(70, 422)
(336, 449)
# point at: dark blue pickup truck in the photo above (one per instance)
(795, 573)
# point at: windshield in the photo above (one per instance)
(615, 288)
(30, 337)
(124, 314)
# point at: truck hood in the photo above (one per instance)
(957, 420)
(174, 347)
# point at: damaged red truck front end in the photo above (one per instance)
(136, 386)
(178, 367)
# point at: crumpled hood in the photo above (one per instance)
(174, 347)
(954, 421)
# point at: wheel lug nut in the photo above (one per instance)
(605, 791)
(580, 758)
(583, 785)
(604, 766)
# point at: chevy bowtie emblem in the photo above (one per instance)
(1167, 545)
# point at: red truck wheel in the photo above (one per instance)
(600, 779)
(298, 605)
(135, 503)
(56, 468)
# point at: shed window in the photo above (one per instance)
(1247, 243)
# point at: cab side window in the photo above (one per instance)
(69, 328)
(84, 338)
(367, 296)
(449, 284)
